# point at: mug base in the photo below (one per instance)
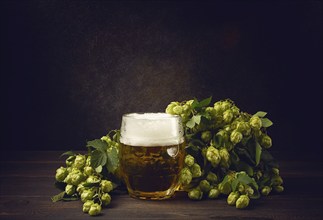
(160, 195)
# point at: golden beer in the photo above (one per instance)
(151, 154)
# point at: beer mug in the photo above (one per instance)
(151, 154)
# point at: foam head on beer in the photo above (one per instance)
(151, 129)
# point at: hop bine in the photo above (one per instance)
(227, 152)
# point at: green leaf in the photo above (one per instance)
(192, 148)
(196, 142)
(190, 123)
(258, 153)
(266, 122)
(113, 159)
(218, 141)
(225, 179)
(234, 157)
(205, 102)
(58, 197)
(243, 166)
(197, 119)
(198, 105)
(245, 140)
(98, 158)
(68, 153)
(244, 178)
(244, 154)
(260, 114)
(234, 184)
(98, 169)
(98, 144)
(195, 103)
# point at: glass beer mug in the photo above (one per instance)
(151, 154)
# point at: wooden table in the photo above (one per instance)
(27, 180)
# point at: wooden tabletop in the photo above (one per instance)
(27, 183)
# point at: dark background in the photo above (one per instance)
(70, 69)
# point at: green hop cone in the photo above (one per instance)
(186, 176)
(106, 139)
(75, 177)
(232, 198)
(95, 209)
(205, 186)
(235, 110)
(266, 190)
(206, 136)
(187, 107)
(87, 195)
(80, 188)
(218, 107)
(223, 134)
(227, 116)
(275, 171)
(259, 174)
(211, 111)
(279, 189)
(61, 174)
(225, 105)
(196, 170)
(236, 137)
(244, 128)
(189, 102)
(170, 107)
(88, 170)
(224, 188)
(234, 124)
(195, 194)
(212, 177)
(93, 179)
(106, 199)
(189, 160)
(214, 193)
(225, 158)
(255, 122)
(266, 141)
(70, 161)
(69, 189)
(218, 119)
(88, 161)
(241, 188)
(178, 110)
(276, 180)
(79, 161)
(106, 186)
(249, 191)
(213, 155)
(242, 202)
(87, 205)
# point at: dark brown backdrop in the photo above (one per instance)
(70, 69)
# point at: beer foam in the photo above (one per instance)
(151, 129)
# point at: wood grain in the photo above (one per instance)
(27, 185)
